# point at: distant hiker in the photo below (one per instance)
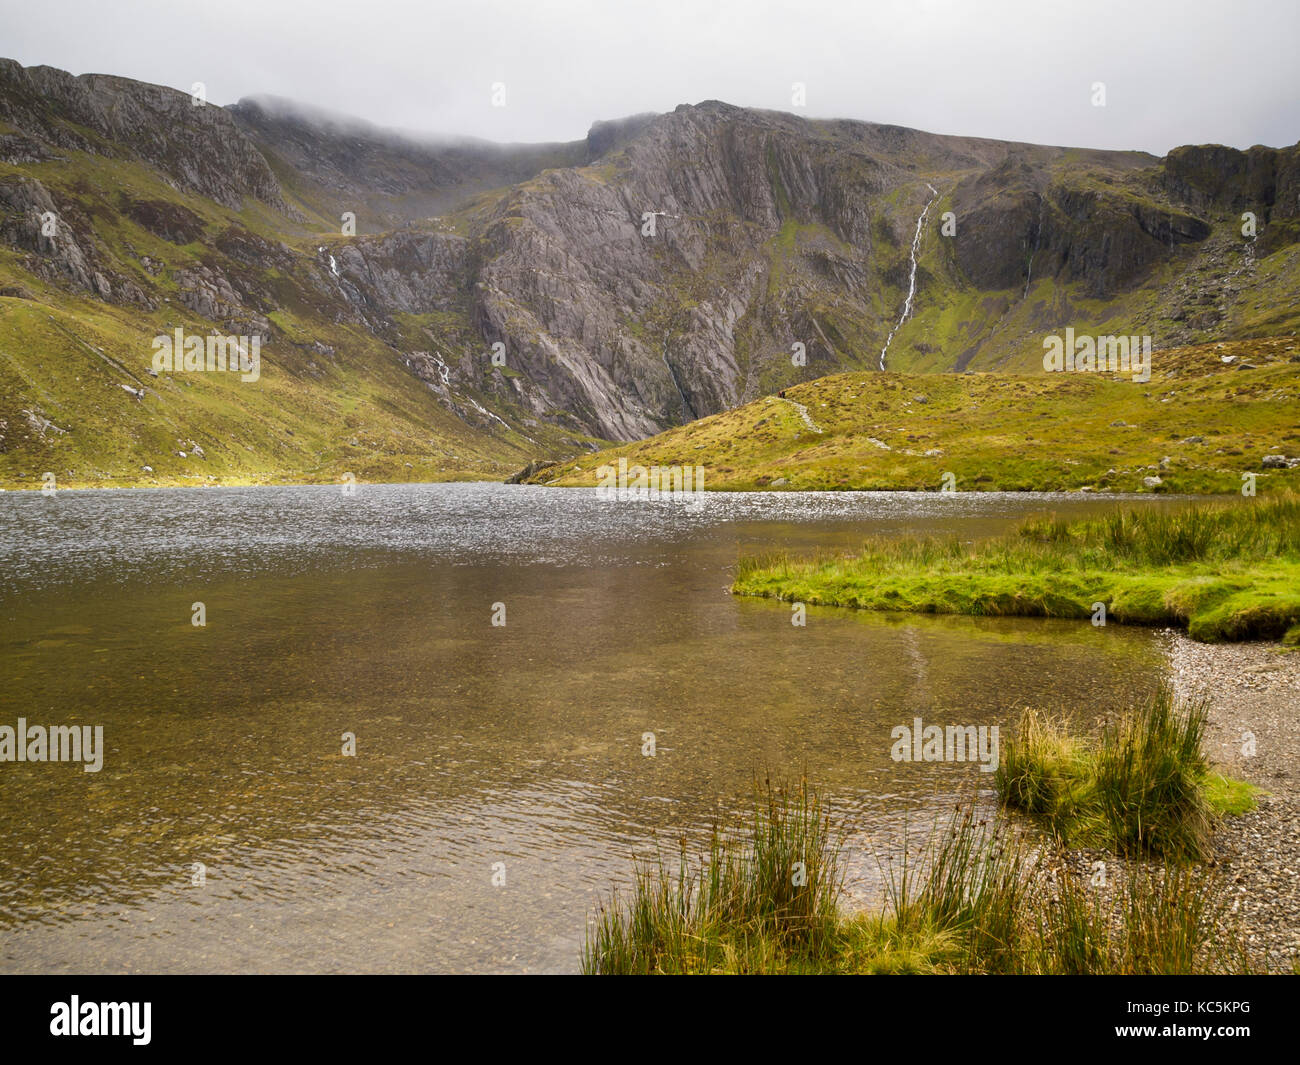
(781, 393)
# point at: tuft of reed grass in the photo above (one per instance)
(769, 890)
(1149, 780)
(1166, 920)
(971, 883)
(1002, 911)
(1041, 770)
(1144, 790)
(975, 899)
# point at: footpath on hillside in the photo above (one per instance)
(803, 413)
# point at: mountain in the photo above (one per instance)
(333, 163)
(769, 231)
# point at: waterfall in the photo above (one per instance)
(911, 280)
(688, 411)
(1038, 236)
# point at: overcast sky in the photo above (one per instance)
(1174, 73)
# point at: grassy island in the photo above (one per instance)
(1223, 571)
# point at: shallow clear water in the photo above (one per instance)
(475, 744)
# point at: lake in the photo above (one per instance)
(501, 781)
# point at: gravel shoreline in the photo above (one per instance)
(1253, 690)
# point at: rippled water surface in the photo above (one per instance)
(475, 744)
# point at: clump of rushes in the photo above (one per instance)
(768, 889)
(1162, 921)
(1042, 771)
(975, 899)
(1145, 789)
(1224, 571)
(972, 882)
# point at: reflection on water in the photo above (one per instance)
(475, 744)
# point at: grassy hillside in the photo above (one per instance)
(1197, 425)
(333, 397)
(65, 411)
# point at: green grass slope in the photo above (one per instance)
(1198, 425)
(65, 410)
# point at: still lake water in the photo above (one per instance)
(475, 744)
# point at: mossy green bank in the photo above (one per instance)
(1223, 571)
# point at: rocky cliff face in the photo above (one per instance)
(664, 268)
(770, 232)
(199, 147)
(1263, 181)
(59, 247)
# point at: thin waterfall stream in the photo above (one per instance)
(911, 280)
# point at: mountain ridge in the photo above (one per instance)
(665, 267)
